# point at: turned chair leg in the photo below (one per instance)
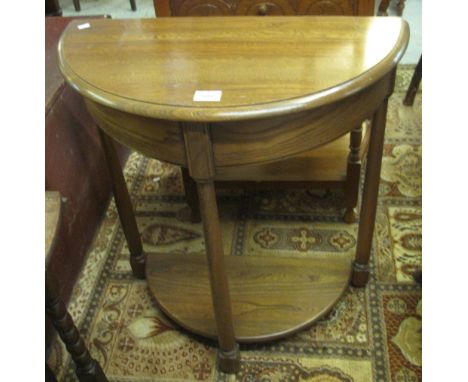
(124, 207)
(360, 274)
(414, 85)
(191, 196)
(351, 189)
(77, 5)
(87, 368)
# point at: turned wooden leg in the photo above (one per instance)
(87, 369)
(124, 207)
(414, 85)
(191, 196)
(369, 198)
(351, 189)
(133, 5)
(202, 169)
(77, 5)
(382, 11)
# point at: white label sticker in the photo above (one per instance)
(84, 26)
(207, 95)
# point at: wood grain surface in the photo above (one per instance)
(264, 66)
(270, 297)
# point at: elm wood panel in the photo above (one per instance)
(152, 67)
(260, 141)
(271, 297)
(263, 7)
(325, 164)
(152, 137)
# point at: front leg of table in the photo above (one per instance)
(124, 207)
(201, 167)
(369, 198)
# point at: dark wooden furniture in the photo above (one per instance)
(87, 369)
(384, 4)
(77, 5)
(335, 165)
(52, 8)
(74, 164)
(285, 86)
(164, 8)
(414, 84)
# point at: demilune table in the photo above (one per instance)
(232, 91)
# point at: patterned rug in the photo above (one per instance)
(372, 334)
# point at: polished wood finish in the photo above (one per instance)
(369, 198)
(335, 172)
(271, 297)
(146, 81)
(280, 98)
(263, 8)
(414, 84)
(87, 369)
(202, 169)
(124, 207)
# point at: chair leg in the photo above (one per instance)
(77, 5)
(133, 5)
(87, 368)
(353, 171)
(414, 84)
(191, 196)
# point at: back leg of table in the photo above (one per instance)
(124, 207)
(414, 85)
(87, 368)
(191, 196)
(76, 3)
(369, 198)
(353, 171)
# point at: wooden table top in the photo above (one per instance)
(263, 66)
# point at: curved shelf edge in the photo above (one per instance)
(270, 297)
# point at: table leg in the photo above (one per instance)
(87, 369)
(369, 198)
(229, 350)
(414, 85)
(76, 3)
(133, 5)
(383, 6)
(191, 196)
(124, 207)
(202, 169)
(353, 171)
